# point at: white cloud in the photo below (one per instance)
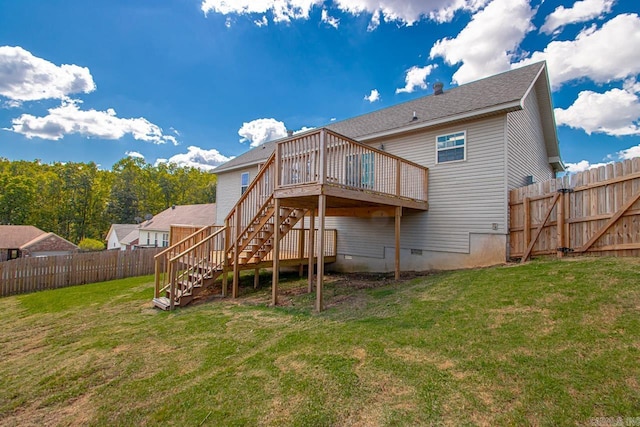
(373, 96)
(134, 154)
(602, 55)
(581, 166)
(262, 22)
(629, 153)
(69, 119)
(406, 12)
(375, 21)
(329, 20)
(615, 112)
(416, 78)
(24, 77)
(303, 129)
(197, 157)
(581, 11)
(488, 43)
(260, 131)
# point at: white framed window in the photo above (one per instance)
(451, 147)
(244, 182)
(165, 240)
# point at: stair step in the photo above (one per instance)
(163, 303)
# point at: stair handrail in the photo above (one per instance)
(252, 185)
(159, 283)
(175, 261)
(194, 247)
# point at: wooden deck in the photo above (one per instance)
(315, 174)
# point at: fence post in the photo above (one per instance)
(560, 225)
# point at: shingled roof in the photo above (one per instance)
(198, 215)
(496, 94)
(14, 236)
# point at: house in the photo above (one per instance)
(155, 231)
(479, 140)
(118, 236)
(420, 185)
(20, 241)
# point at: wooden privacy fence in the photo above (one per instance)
(595, 212)
(25, 275)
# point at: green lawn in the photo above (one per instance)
(546, 343)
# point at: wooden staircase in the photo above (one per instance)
(186, 268)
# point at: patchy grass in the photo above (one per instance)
(546, 343)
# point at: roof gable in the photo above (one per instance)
(121, 230)
(198, 215)
(40, 242)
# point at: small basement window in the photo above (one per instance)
(244, 182)
(451, 147)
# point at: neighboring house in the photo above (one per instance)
(20, 241)
(155, 232)
(118, 236)
(479, 140)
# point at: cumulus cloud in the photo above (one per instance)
(134, 154)
(259, 131)
(581, 166)
(488, 43)
(197, 157)
(602, 54)
(416, 77)
(262, 22)
(406, 12)
(629, 153)
(329, 20)
(25, 77)
(373, 96)
(375, 21)
(69, 119)
(581, 11)
(615, 112)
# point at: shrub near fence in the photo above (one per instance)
(25, 275)
(596, 212)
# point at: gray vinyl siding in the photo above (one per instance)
(527, 155)
(229, 185)
(464, 197)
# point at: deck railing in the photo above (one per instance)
(324, 157)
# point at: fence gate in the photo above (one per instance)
(595, 212)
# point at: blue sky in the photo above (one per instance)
(196, 82)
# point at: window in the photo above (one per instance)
(360, 170)
(155, 240)
(165, 240)
(451, 148)
(244, 182)
(367, 170)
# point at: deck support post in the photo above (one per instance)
(311, 247)
(322, 206)
(397, 224)
(225, 264)
(236, 253)
(276, 253)
(256, 278)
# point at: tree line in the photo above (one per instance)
(80, 200)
